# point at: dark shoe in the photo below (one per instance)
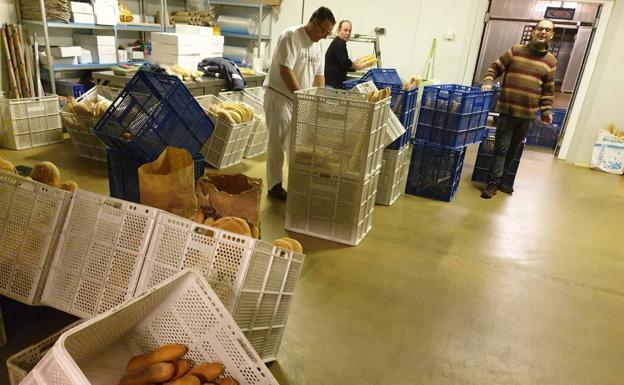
(278, 192)
(506, 190)
(489, 191)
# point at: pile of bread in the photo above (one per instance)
(375, 96)
(89, 107)
(366, 61)
(43, 172)
(412, 83)
(232, 112)
(184, 74)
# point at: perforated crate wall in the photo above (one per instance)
(254, 279)
(392, 176)
(183, 309)
(338, 132)
(256, 92)
(22, 362)
(31, 219)
(86, 143)
(99, 255)
(30, 122)
(226, 146)
(330, 207)
(259, 136)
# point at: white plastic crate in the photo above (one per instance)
(22, 362)
(254, 279)
(338, 132)
(99, 254)
(184, 309)
(226, 146)
(259, 136)
(30, 122)
(256, 93)
(392, 176)
(87, 144)
(31, 218)
(329, 206)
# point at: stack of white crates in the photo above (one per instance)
(30, 122)
(335, 157)
(259, 137)
(101, 47)
(393, 175)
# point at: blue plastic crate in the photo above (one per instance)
(123, 177)
(154, 111)
(542, 135)
(558, 116)
(348, 84)
(457, 99)
(434, 171)
(383, 75)
(69, 88)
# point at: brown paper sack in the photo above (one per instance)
(168, 183)
(221, 195)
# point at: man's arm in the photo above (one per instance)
(319, 81)
(548, 96)
(496, 69)
(291, 81)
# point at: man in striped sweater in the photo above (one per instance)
(528, 86)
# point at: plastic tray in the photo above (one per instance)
(123, 175)
(543, 135)
(183, 309)
(31, 219)
(329, 206)
(434, 171)
(259, 136)
(226, 146)
(30, 122)
(392, 176)
(383, 75)
(338, 132)
(99, 255)
(21, 363)
(254, 279)
(156, 111)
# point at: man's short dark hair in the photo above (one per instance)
(322, 14)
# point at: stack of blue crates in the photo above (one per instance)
(451, 117)
(152, 112)
(546, 135)
(403, 103)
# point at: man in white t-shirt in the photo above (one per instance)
(298, 63)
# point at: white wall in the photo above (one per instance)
(603, 102)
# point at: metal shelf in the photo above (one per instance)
(74, 67)
(139, 27)
(59, 24)
(237, 4)
(244, 35)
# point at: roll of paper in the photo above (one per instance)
(236, 24)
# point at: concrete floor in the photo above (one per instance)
(526, 289)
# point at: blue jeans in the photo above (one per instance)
(510, 132)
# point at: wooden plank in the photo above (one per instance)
(26, 50)
(7, 52)
(9, 35)
(21, 64)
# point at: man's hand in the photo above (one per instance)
(486, 87)
(547, 119)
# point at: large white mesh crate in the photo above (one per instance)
(338, 132)
(22, 362)
(330, 207)
(226, 146)
(184, 309)
(30, 122)
(31, 218)
(256, 93)
(255, 280)
(87, 144)
(259, 136)
(392, 176)
(99, 254)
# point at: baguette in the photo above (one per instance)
(152, 374)
(226, 381)
(165, 353)
(182, 367)
(208, 372)
(186, 380)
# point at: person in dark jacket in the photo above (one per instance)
(337, 62)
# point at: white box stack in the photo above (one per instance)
(30, 122)
(102, 47)
(106, 12)
(392, 176)
(259, 137)
(335, 157)
(182, 49)
(255, 280)
(82, 12)
(183, 309)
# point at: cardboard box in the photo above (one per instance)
(43, 58)
(65, 51)
(84, 18)
(185, 29)
(85, 57)
(113, 3)
(176, 39)
(104, 59)
(189, 61)
(136, 55)
(176, 49)
(97, 40)
(106, 14)
(122, 55)
(78, 7)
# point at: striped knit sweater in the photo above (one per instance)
(528, 81)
